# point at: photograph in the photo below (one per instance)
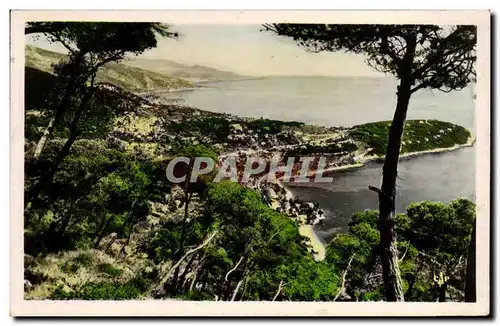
(246, 163)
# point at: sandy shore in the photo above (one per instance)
(306, 230)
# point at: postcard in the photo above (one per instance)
(250, 163)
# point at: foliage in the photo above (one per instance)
(215, 127)
(72, 101)
(83, 259)
(443, 56)
(109, 269)
(418, 135)
(268, 126)
(191, 151)
(441, 230)
(356, 247)
(104, 291)
(420, 56)
(264, 248)
(97, 191)
(433, 238)
(69, 267)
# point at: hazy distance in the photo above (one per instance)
(245, 50)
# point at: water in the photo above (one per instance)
(339, 101)
(349, 101)
(436, 177)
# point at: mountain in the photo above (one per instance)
(195, 73)
(130, 78)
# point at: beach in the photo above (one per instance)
(306, 230)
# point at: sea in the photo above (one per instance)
(348, 101)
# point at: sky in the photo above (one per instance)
(246, 50)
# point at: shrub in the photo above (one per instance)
(84, 259)
(103, 291)
(109, 270)
(69, 267)
(263, 126)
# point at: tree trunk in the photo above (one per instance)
(470, 278)
(165, 276)
(413, 280)
(193, 281)
(45, 137)
(196, 271)
(442, 292)
(184, 225)
(69, 90)
(47, 178)
(186, 269)
(387, 194)
(100, 234)
(387, 199)
(237, 288)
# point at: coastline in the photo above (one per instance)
(307, 230)
(373, 158)
(196, 84)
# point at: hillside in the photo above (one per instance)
(109, 225)
(193, 73)
(128, 77)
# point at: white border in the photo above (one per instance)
(19, 306)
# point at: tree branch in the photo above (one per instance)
(377, 190)
(237, 288)
(191, 251)
(388, 51)
(401, 259)
(66, 45)
(234, 268)
(42, 29)
(280, 288)
(343, 278)
(437, 54)
(418, 87)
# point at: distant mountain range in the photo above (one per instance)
(195, 73)
(130, 78)
(137, 75)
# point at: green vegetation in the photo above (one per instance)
(413, 54)
(109, 269)
(255, 245)
(268, 126)
(432, 238)
(418, 135)
(215, 127)
(127, 77)
(69, 267)
(103, 291)
(103, 223)
(218, 128)
(84, 259)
